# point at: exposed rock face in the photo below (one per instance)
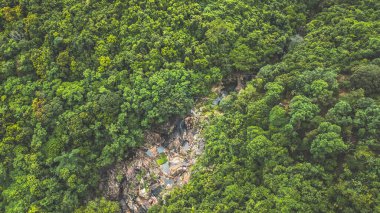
(239, 85)
(162, 164)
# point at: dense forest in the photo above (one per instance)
(81, 81)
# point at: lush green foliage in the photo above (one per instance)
(80, 81)
(303, 136)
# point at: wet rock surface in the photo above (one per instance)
(162, 164)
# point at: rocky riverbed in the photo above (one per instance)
(165, 161)
(162, 164)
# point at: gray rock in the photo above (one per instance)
(149, 153)
(168, 181)
(165, 168)
(160, 150)
(123, 205)
(201, 147)
(185, 146)
(216, 101)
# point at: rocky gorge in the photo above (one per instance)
(169, 152)
(163, 163)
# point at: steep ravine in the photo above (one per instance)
(164, 161)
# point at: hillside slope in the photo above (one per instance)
(81, 82)
(304, 136)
